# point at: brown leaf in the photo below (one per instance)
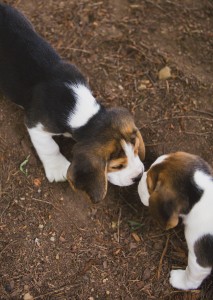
(136, 237)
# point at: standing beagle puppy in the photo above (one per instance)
(58, 101)
(181, 185)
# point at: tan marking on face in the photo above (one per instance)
(114, 164)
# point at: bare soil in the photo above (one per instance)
(54, 244)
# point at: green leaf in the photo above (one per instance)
(135, 225)
(22, 166)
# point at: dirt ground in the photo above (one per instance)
(54, 244)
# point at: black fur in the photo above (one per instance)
(33, 75)
(204, 251)
(190, 188)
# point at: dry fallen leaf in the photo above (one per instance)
(136, 237)
(37, 182)
(164, 73)
(114, 225)
(141, 87)
(27, 296)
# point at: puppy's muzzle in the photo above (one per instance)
(138, 178)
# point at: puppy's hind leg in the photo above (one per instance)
(55, 164)
(192, 277)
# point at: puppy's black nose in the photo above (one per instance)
(138, 178)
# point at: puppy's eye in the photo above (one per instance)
(118, 167)
(132, 140)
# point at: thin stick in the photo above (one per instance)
(119, 221)
(57, 291)
(197, 133)
(203, 112)
(7, 247)
(47, 202)
(179, 117)
(162, 256)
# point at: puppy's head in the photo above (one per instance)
(171, 189)
(112, 148)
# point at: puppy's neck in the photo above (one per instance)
(203, 182)
(85, 107)
(92, 128)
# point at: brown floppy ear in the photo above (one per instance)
(87, 172)
(141, 148)
(165, 205)
(152, 179)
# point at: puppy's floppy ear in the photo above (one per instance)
(141, 148)
(164, 207)
(164, 201)
(87, 172)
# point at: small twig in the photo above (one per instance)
(118, 225)
(154, 144)
(197, 133)
(8, 206)
(167, 87)
(162, 256)
(131, 206)
(179, 117)
(203, 112)
(56, 291)
(156, 5)
(75, 49)
(7, 247)
(47, 202)
(150, 78)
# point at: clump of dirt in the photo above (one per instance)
(54, 244)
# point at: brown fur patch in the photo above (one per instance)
(141, 147)
(137, 144)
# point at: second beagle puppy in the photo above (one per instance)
(181, 185)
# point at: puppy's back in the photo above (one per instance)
(25, 58)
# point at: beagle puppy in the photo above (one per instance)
(58, 101)
(181, 185)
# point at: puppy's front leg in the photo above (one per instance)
(55, 164)
(192, 277)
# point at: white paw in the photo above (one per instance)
(178, 280)
(57, 169)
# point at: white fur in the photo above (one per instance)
(86, 106)
(134, 168)
(55, 164)
(198, 222)
(159, 160)
(143, 190)
(142, 187)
